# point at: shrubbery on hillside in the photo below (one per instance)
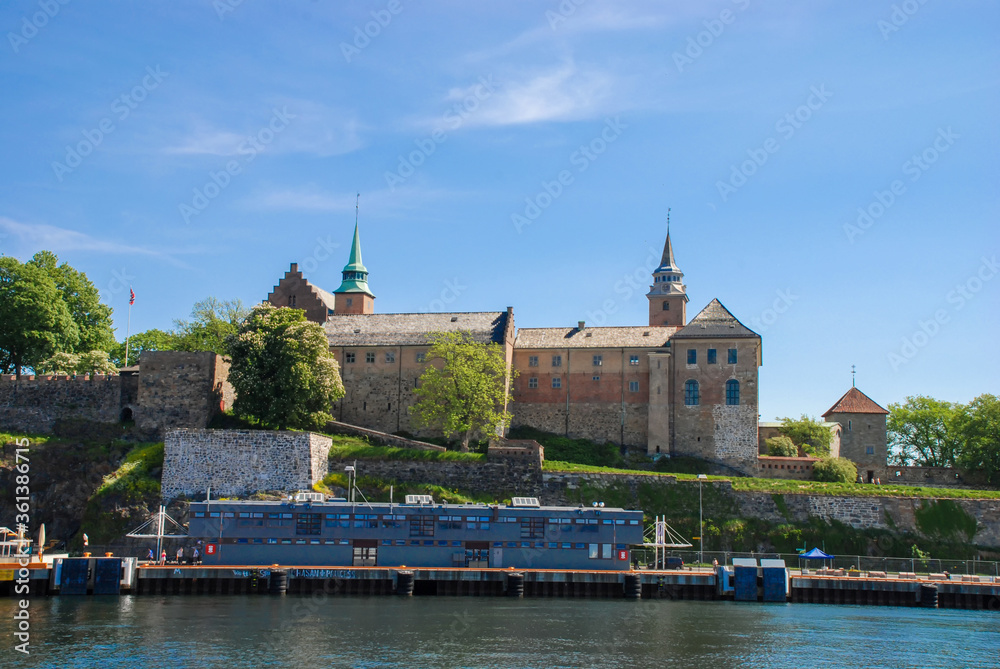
(564, 449)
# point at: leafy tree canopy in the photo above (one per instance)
(150, 340)
(835, 470)
(924, 431)
(781, 446)
(809, 433)
(464, 390)
(92, 317)
(35, 320)
(90, 362)
(978, 423)
(212, 322)
(282, 370)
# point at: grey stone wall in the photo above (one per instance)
(241, 462)
(499, 479)
(381, 438)
(34, 404)
(181, 390)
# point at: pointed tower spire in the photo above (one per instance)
(668, 294)
(354, 296)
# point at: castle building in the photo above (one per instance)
(863, 438)
(670, 386)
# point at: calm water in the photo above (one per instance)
(297, 631)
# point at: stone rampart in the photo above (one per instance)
(381, 438)
(36, 403)
(241, 462)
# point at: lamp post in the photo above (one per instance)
(349, 469)
(701, 523)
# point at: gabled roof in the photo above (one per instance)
(715, 322)
(855, 401)
(647, 336)
(412, 329)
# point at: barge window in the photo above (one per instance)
(366, 524)
(422, 526)
(565, 545)
(606, 551)
(250, 522)
(307, 524)
(594, 551)
(198, 514)
(532, 528)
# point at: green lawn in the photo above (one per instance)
(782, 486)
(350, 448)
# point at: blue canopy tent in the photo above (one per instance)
(815, 554)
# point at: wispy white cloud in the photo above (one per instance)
(311, 128)
(315, 199)
(56, 239)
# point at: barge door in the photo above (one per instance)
(365, 552)
(496, 558)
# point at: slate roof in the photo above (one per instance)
(716, 322)
(611, 337)
(855, 401)
(411, 329)
(325, 297)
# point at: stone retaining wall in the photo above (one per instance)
(381, 438)
(33, 405)
(236, 463)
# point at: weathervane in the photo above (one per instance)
(852, 376)
(357, 205)
(668, 221)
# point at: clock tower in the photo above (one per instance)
(668, 294)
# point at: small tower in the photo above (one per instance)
(668, 295)
(354, 296)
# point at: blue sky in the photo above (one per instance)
(831, 167)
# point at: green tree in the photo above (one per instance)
(282, 370)
(809, 433)
(150, 340)
(978, 423)
(212, 322)
(35, 322)
(92, 317)
(835, 470)
(781, 446)
(89, 362)
(464, 391)
(922, 431)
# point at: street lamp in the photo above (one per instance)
(701, 523)
(349, 469)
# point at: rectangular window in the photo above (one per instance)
(711, 356)
(596, 378)
(369, 358)
(390, 356)
(594, 554)
(350, 301)
(606, 551)
(633, 386)
(533, 382)
(870, 450)
(732, 356)
(692, 356)
(422, 526)
(532, 528)
(556, 382)
(532, 361)
(557, 361)
(598, 360)
(633, 360)
(349, 358)
(421, 357)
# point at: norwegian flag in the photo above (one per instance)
(131, 297)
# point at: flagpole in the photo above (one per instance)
(128, 328)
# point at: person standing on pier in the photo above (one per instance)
(195, 556)
(180, 555)
(150, 557)
(163, 557)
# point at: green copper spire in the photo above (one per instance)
(355, 273)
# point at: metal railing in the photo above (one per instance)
(859, 562)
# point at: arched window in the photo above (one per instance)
(732, 391)
(691, 395)
(666, 305)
